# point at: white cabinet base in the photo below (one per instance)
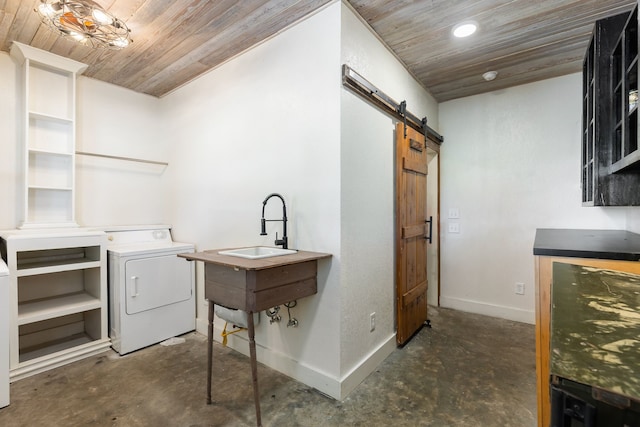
(57, 299)
(77, 349)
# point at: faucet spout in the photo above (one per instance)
(263, 232)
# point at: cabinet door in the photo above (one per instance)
(624, 84)
(595, 320)
(609, 119)
(544, 280)
(156, 282)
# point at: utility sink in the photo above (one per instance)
(257, 252)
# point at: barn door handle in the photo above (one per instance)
(430, 221)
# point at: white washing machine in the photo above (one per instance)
(151, 290)
(4, 335)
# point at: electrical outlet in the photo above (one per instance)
(454, 227)
(519, 288)
(372, 322)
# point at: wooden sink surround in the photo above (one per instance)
(254, 285)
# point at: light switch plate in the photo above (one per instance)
(454, 213)
(454, 227)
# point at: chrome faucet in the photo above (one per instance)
(263, 230)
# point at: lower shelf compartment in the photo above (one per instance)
(48, 337)
(46, 349)
(58, 354)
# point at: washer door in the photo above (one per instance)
(156, 282)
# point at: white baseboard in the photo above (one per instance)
(337, 388)
(493, 310)
(367, 365)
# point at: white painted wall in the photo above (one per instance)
(367, 199)
(119, 122)
(633, 220)
(10, 156)
(511, 163)
(268, 121)
(433, 211)
(278, 112)
(111, 120)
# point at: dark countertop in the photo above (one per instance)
(602, 244)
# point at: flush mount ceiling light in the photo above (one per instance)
(86, 22)
(465, 29)
(490, 75)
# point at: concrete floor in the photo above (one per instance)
(468, 370)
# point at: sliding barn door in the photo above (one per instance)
(411, 228)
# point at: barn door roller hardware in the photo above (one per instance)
(402, 110)
(354, 81)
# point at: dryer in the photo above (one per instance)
(151, 289)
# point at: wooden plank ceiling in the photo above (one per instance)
(176, 41)
(523, 40)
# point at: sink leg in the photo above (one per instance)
(254, 368)
(209, 351)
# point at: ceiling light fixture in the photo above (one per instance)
(86, 22)
(465, 29)
(490, 75)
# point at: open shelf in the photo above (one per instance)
(48, 135)
(51, 90)
(49, 205)
(37, 115)
(56, 257)
(50, 170)
(58, 290)
(630, 161)
(51, 135)
(49, 308)
(58, 297)
(62, 266)
(60, 338)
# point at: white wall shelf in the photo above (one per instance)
(49, 114)
(57, 267)
(54, 118)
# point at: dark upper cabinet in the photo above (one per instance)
(610, 155)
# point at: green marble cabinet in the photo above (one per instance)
(577, 300)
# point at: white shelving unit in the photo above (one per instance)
(58, 297)
(48, 134)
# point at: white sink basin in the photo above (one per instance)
(257, 252)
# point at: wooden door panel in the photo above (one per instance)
(411, 247)
(413, 231)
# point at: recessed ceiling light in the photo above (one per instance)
(465, 29)
(490, 75)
